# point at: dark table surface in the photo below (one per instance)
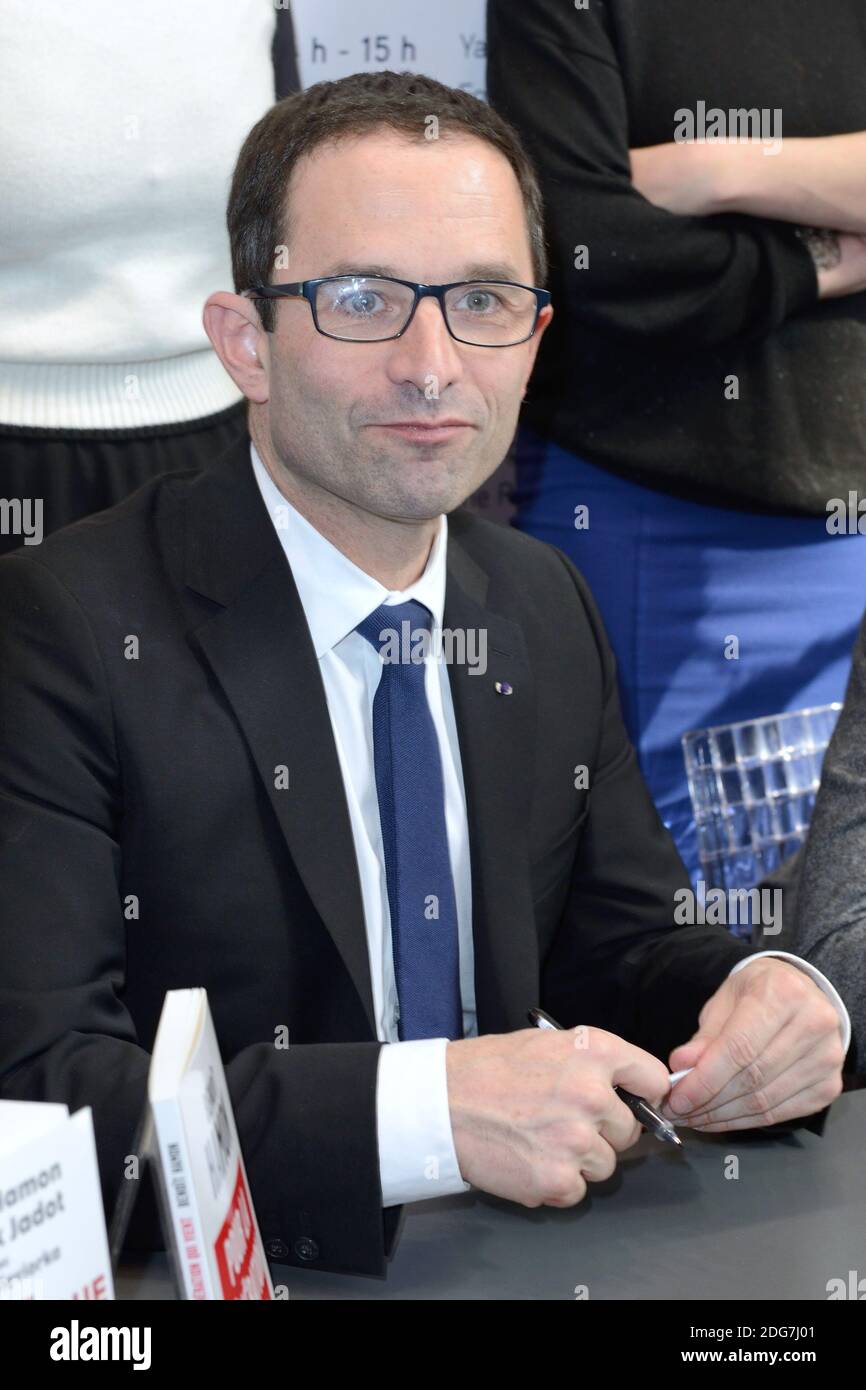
(669, 1224)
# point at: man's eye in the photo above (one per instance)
(360, 303)
(478, 301)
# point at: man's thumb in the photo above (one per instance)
(688, 1054)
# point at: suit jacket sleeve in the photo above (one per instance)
(305, 1115)
(619, 961)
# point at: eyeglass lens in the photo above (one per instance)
(367, 309)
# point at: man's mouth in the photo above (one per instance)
(424, 432)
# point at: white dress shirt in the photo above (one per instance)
(416, 1146)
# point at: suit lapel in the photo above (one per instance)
(258, 645)
(259, 648)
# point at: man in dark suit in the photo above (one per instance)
(224, 765)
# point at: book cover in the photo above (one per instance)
(208, 1212)
(53, 1242)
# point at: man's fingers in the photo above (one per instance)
(747, 1035)
(600, 1163)
(614, 1125)
(619, 1127)
(817, 1066)
(789, 1053)
(617, 1130)
(686, 1056)
(563, 1185)
(804, 1102)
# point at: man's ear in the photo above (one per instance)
(232, 323)
(543, 320)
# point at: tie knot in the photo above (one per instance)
(392, 629)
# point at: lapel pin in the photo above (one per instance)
(503, 688)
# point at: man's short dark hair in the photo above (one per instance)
(353, 106)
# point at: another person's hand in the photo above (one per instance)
(534, 1114)
(848, 275)
(768, 1049)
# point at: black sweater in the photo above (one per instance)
(631, 373)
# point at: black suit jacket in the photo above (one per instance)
(156, 673)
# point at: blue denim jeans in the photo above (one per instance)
(714, 615)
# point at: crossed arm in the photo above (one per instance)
(814, 182)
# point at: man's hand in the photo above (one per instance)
(534, 1114)
(768, 1048)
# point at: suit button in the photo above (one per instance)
(306, 1248)
(277, 1249)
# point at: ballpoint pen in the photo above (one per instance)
(640, 1108)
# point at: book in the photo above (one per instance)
(53, 1242)
(212, 1234)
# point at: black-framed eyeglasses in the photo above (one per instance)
(374, 308)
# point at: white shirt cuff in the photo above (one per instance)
(417, 1159)
(820, 980)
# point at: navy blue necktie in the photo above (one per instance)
(412, 813)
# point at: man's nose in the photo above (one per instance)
(426, 354)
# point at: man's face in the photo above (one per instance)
(431, 211)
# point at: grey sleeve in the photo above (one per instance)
(830, 928)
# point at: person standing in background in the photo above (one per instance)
(121, 128)
(698, 402)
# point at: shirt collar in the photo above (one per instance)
(335, 593)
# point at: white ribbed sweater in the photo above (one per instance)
(120, 128)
